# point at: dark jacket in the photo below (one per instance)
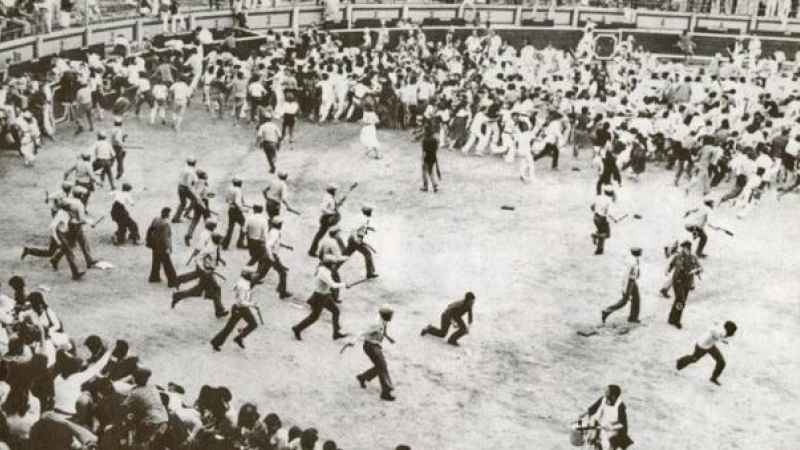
(159, 235)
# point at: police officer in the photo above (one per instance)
(126, 226)
(59, 241)
(269, 138)
(601, 211)
(373, 338)
(241, 310)
(328, 216)
(454, 313)
(58, 197)
(84, 174)
(199, 204)
(186, 181)
(255, 228)
(684, 267)
(273, 260)
(630, 289)
(118, 144)
(203, 241)
(104, 157)
(322, 299)
(77, 213)
(275, 194)
(236, 207)
(332, 249)
(207, 262)
(356, 242)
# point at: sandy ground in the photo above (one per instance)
(522, 374)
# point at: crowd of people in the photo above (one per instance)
(732, 124)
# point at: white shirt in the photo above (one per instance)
(713, 335)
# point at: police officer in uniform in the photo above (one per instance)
(236, 207)
(59, 241)
(118, 144)
(255, 228)
(273, 260)
(373, 339)
(58, 197)
(240, 311)
(77, 213)
(601, 208)
(84, 174)
(275, 194)
(199, 205)
(328, 217)
(269, 138)
(355, 242)
(186, 181)
(322, 299)
(454, 313)
(332, 248)
(207, 262)
(104, 158)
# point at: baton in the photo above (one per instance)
(345, 346)
(370, 248)
(219, 275)
(96, 222)
(46, 197)
(355, 283)
(288, 247)
(294, 211)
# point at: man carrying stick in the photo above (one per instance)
(630, 289)
(601, 207)
(272, 260)
(207, 262)
(373, 338)
(684, 266)
(356, 241)
(322, 299)
(235, 213)
(242, 309)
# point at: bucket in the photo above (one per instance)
(576, 435)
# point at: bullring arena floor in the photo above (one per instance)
(522, 374)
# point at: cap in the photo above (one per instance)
(366, 209)
(277, 220)
(202, 174)
(67, 185)
(211, 223)
(686, 244)
(282, 174)
(386, 312)
(118, 121)
(141, 375)
(236, 180)
(86, 154)
(101, 135)
(636, 251)
(27, 115)
(191, 160)
(216, 238)
(708, 200)
(608, 189)
(332, 187)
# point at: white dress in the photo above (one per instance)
(369, 134)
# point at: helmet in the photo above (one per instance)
(332, 187)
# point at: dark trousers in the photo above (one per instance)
(631, 294)
(698, 354)
(199, 211)
(325, 222)
(700, 234)
(74, 237)
(185, 199)
(271, 151)
(681, 290)
(444, 327)
(318, 302)
(427, 174)
(161, 258)
(603, 232)
(273, 208)
(207, 288)
(126, 226)
(104, 166)
(238, 313)
(42, 253)
(549, 150)
(279, 268)
(119, 155)
(356, 245)
(187, 277)
(741, 182)
(258, 254)
(684, 160)
(235, 217)
(379, 368)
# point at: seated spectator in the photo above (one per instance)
(145, 410)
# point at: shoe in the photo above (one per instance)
(664, 293)
(238, 341)
(296, 334)
(424, 331)
(114, 240)
(175, 300)
(154, 280)
(78, 276)
(715, 381)
(215, 347)
(598, 252)
(285, 294)
(92, 264)
(425, 189)
(634, 321)
(372, 275)
(337, 335)
(702, 255)
(594, 239)
(24, 253)
(361, 381)
(387, 397)
(54, 264)
(187, 240)
(604, 315)
(453, 343)
(176, 220)
(311, 254)
(222, 313)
